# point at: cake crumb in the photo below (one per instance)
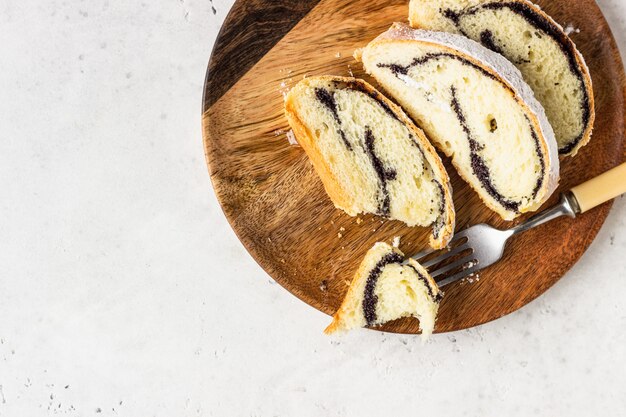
(324, 285)
(359, 220)
(284, 88)
(569, 29)
(342, 229)
(350, 71)
(291, 138)
(339, 235)
(396, 242)
(471, 278)
(338, 55)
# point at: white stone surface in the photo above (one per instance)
(124, 292)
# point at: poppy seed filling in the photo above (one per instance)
(479, 167)
(478, 163)
(541, 23)
(440, 222)
(383, 173)
(328, 100)
(370, 299)
(436, 298)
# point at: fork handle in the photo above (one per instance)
(601, 189)
(581, 198)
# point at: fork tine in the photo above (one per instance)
(424, 253)
(428, 251)
(453, 265)
(458, 276)
(445, 255)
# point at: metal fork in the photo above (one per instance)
(482, 245)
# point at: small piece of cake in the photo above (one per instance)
(370, 156)
(536, 44)
(476, 108)
(383, 289)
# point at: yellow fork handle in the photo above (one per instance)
(601, 188)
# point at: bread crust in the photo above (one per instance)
(338, 318)
(305, 138)
(497, 66)
(417, 23)
(339, 197)
(361, 274)
(337, 325)
(431, 282)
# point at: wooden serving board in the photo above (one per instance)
(276, 204)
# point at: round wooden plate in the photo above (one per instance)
(275, 201)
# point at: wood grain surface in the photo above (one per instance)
(277, 206)
(250, 30)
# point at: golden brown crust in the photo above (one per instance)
(332, 186)
(336, 324)
(305, 139)
(360, 275)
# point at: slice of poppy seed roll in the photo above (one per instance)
(536, 44)
(383, 289)
(370, 156)
(476, 108)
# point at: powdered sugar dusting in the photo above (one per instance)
(426, 88)
(500, 66)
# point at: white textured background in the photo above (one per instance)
(123, 291)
